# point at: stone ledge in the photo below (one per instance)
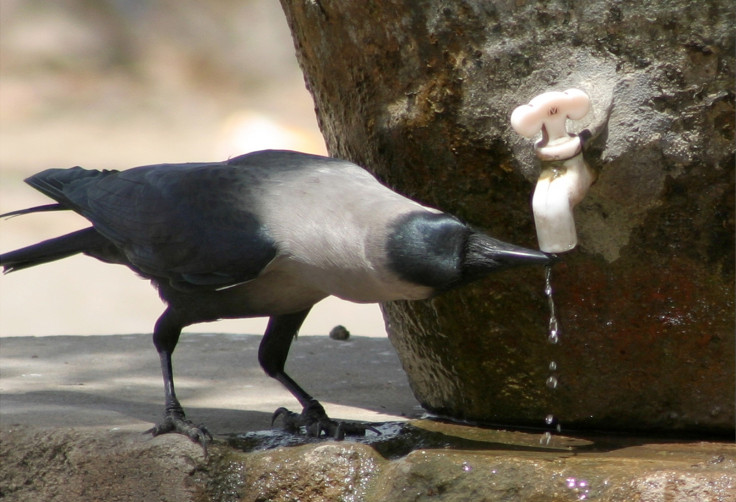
(86, 464)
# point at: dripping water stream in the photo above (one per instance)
(553, 338)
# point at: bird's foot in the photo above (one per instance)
(317, 424)
(175, 421)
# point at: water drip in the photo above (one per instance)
(553, 329)
(553, 337)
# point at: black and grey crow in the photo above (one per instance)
(269, 233)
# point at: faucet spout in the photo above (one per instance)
(560, 187)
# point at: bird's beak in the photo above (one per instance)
(510, 255)
(499, 254)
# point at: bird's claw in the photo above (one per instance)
(316, 423)
(177, 423)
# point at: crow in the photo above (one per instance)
(265, 234)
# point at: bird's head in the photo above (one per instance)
(439, 251)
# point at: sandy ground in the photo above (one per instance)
(115, 381)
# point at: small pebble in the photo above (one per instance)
(339, 333)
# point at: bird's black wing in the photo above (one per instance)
(191, 224)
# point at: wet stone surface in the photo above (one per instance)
(420, 460)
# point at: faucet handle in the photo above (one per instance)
(548, 112)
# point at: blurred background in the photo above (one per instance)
(113, 84)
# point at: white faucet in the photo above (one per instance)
(565, 177)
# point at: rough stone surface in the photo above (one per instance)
(647, 475)
(320, 473)
(421, 95)
(64, 464)
(93, 464)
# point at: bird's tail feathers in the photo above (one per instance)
(35, 209)
(66, 185)
(52, 249)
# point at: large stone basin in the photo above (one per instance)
(422, 94)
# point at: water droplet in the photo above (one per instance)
(552, 366)
(553, 327)
(553, 338)
(552, 382)
(546, 438)
(553, 324)
(549, 419)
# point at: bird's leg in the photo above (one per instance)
(272, 355)
(165, 337)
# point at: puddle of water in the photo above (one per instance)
(397, 439)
